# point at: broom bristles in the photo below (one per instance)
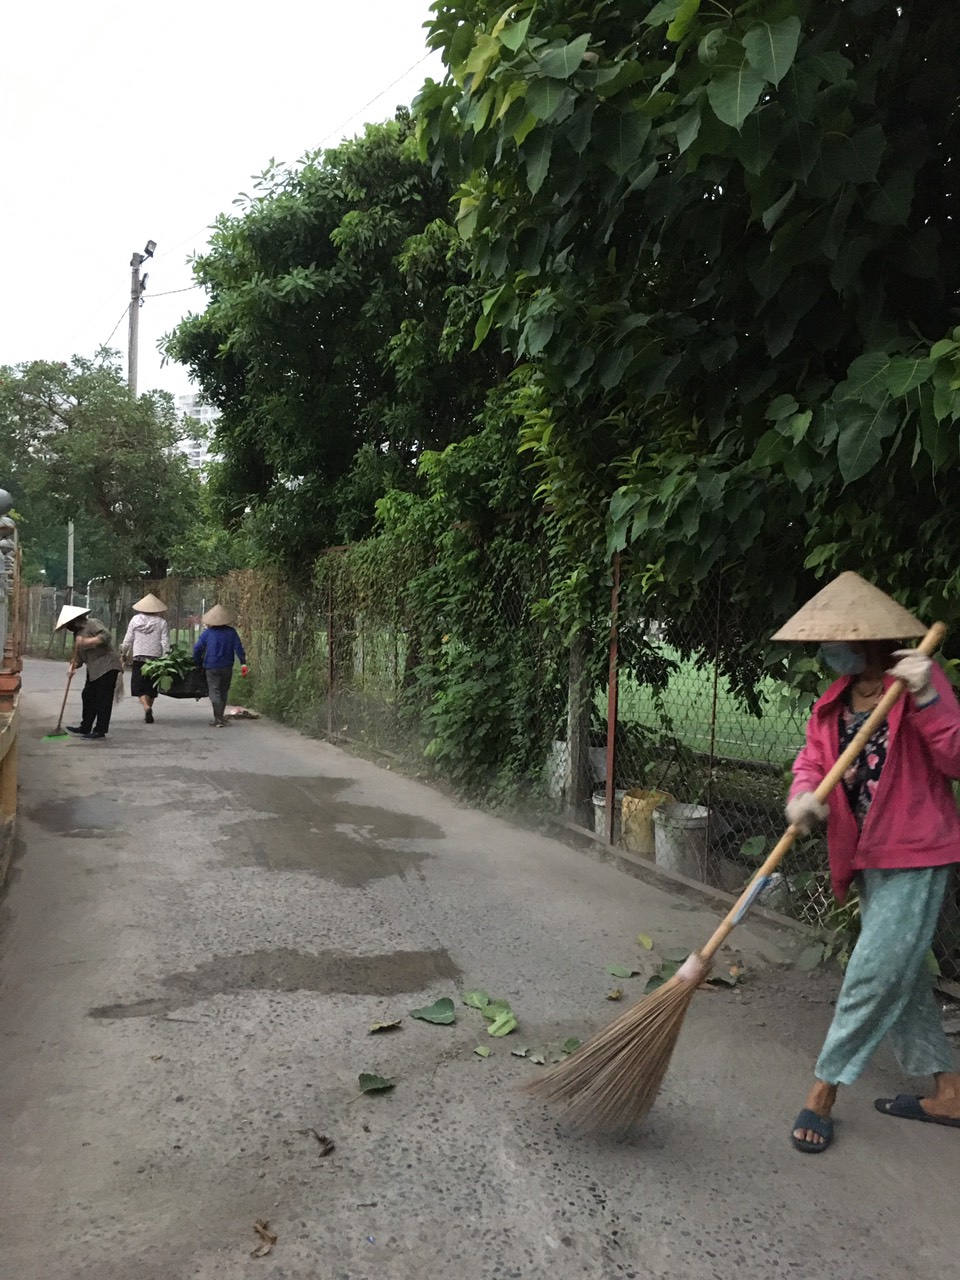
(612, 1081)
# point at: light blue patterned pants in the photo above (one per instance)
(888, 990)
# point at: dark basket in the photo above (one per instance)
(192, 685)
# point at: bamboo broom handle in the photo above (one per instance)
(928, 645)
(66, 692)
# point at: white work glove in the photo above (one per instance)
(805, 812)
(914, 670)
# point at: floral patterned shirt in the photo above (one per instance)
(860, 781)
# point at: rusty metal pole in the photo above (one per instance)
(612, 699)
(713, 719)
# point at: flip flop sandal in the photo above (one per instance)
(906, 1106)
(823, 1125)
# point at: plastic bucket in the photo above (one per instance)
(600, 814)
(637, 819)
(680, 839)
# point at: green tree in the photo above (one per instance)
(726, 237)
(76, 445)
(333, 342)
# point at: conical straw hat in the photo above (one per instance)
(218, 616)
(70, 613)
(850, 608)
(150, 604)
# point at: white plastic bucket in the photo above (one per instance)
(600, 814)
(680, 839)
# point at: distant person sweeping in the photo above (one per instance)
(216, 651)
(148, 636)
(94, 651)
(892, 831)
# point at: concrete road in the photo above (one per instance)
(202, 924)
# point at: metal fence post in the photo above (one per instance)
(330, 670)
(612, 698)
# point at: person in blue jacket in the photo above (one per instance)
(216, 650)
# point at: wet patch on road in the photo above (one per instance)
(310, 828)
(86, 817)
(327, 973)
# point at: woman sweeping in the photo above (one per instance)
(148, 636)
(892, 831)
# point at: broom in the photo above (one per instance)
(613, 1080)
(60, 731)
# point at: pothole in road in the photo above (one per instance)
(327, 972)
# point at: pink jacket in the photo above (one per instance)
(912, 820)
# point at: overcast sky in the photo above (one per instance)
(125, 121)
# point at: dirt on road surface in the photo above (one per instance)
(201, 926)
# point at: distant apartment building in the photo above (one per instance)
(197, 449)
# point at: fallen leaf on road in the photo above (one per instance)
(494, 1009)
(503, 1024)
(538, 1056)
(644, 940)
(520, 1053)
(730, 978)
(663, 974)
(370, 1083)
(441, 1012)
(482, 1051)
(678, 954)
(383, 1026)
(475, 999)
(268, 1238)
(571, 1045)
(615, 994)
(621, 971)
(156, 1057)
(810, 958)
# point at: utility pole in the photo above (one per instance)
(69, 599)
(138, 285)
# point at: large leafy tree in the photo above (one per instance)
(333, 339)
(727, 238)
(76, 445)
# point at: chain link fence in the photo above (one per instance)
(634, 730)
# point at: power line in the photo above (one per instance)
(180, 243)
(117, 325)
(403, 75)
(167, 292)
